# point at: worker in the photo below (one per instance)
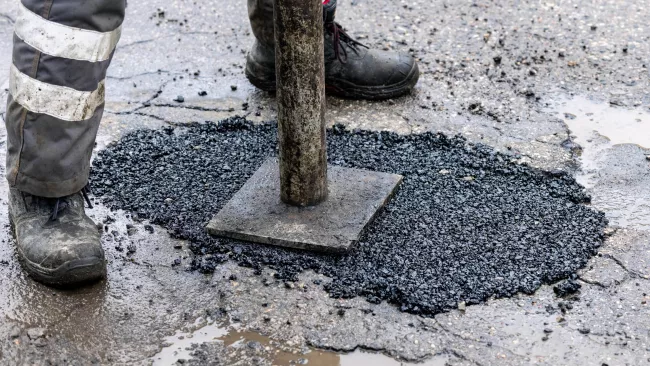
(61, 51)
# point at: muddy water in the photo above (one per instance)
(179, 346)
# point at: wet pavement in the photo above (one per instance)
(532, 78)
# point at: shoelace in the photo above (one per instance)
(62, 203)
(59, 206)
(339, 35)
(85, 191)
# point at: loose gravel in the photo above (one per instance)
(466, 224)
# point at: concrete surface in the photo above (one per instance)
(257, 214)
(515, 75)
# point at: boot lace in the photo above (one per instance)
(339, 35)
(61, 204)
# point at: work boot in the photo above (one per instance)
(56, 242)
(352, 70)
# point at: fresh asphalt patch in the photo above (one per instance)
(466, 224)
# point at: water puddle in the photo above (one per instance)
(610, 165)
(179, 345)
(182, 345)
(599, 126)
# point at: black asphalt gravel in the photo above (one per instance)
(466, 224)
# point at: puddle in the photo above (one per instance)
(618, 181)
(598, 126)
(180, 346)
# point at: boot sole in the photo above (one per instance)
(340, 88)
(71, 273)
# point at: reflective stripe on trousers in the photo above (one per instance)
(52, 113)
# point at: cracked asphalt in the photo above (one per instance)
(544, 81)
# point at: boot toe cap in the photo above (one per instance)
(404, 68)
(63, 258)
(375, 74)
(71, 254)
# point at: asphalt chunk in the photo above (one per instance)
(487, 227)
(567, 287)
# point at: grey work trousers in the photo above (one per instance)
(61, 51)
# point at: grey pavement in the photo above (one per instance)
(565, 84)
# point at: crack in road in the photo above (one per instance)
(592, 282)
(143, 41)
(122, 78)
(462, 356)
(622, 265)
(465, 339)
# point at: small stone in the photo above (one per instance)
(289, 284)
(545, 338)
(609, 231)
(341, 312)
(255, 345)
(548, 330)
(203, 93)
(584, 330)
(233, 87)
(566, 288)
(179, 99)
(647, 157)
(462, 306)
(14, 332)
(35, 333)
(130, 230)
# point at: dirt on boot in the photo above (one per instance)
(56, 242)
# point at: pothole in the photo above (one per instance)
(467, 223)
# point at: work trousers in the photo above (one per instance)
(61, 51)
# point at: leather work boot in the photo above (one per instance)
(352, 70)
(56, 242)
